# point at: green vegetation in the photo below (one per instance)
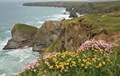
(50, 49)
(86, 61)
(107, 21)
(24, 29)
(93, 61)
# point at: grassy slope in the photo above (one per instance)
(108, 21)
(24, 29)
(111, 22)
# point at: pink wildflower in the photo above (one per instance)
(32, 65)
(96, 44)
(46, 56)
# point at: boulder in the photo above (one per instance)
(22, 35)
(46, 35)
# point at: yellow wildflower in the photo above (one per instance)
(54, 59)
(84, 60)
(108, 60)
(63, 56)
(77, 56)
(103, 63)
(100, 65)
(69, 60)
(95, 55)
(95, 50)
(59, 74)
(88, 63)
(86, 67)
(73, 64)
(51, 67)
(94, 59)
(79, 60)
(101, 51)
(66, 67)
(98, 59)
(84, 55)
(111, 62)
(82, 65)
(57, 66)
(62, 67)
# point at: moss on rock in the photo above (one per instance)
(22, 35)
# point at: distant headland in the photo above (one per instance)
(81, 7)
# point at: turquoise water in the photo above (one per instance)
(13, 61)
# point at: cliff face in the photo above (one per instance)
(82, 7)
(46, 35)
(66, 34)
(22, 35)
(78, 30)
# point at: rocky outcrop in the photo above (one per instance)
(73, 14)
(22, 35)
(66, 34)
(46, 35)
(77, 31)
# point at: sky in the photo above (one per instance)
(56, 0)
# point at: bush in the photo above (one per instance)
(91, 59)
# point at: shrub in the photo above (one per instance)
(91, 59)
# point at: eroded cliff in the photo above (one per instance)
(22, 35)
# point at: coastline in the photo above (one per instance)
(81, 7)
(65, 24)
(13, 54)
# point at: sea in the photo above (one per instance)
(12, 12)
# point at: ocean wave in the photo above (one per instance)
(40, 22)
(3, 42)
(19, 57)
(58, 17)
(20, 52)
(1, 60)
(3, 74)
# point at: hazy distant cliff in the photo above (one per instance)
(82, 7)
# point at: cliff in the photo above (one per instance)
(22, 35)
(94, 26)
(88, 44)
(46, 35)
(66, 34)
(82, 7)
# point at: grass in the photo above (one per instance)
(111, 22)
(23, 29)
(50, 49)
(86, 62)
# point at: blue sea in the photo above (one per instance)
(11, 12)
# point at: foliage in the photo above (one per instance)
(23, 29)
(89, 61)
(108, 21)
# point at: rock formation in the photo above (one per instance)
(46, 35)
(73, 14)
(22, 35)
(66, 34)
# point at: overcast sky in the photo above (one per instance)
(57, 0)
